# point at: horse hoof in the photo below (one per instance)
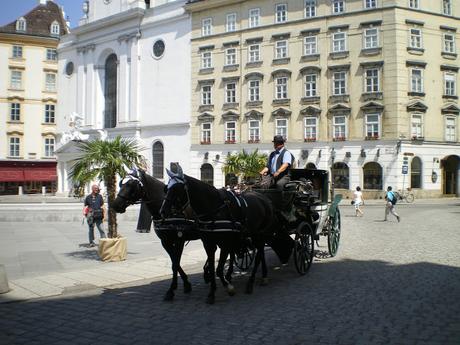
(169, 296)
(210, 300)
(264, 282)
(187, 288)
(231, 290)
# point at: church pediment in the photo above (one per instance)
(417, 106)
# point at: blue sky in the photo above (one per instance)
(12, 9)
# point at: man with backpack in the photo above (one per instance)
(391, 200)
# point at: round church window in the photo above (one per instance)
(69, 68)
(158, 49)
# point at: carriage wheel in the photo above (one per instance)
(303, 249)
(409, 198)
(333, 233)
(244, 258)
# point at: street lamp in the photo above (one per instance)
(332, 173)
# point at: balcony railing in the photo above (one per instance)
(205, 142)
(253, 141)
(339, 139)
(230, 141)
(309, 139)
(372, 137)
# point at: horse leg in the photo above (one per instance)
(169, 247)
(220, 271)
(183, 275)
(250, 283)
(228, 275)
(211, 252)
(264, 266)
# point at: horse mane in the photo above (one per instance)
(204, 196)
(154, 192)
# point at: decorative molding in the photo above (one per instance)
(254, 40)
(281, 72)
(231, 44)
(87, 48)
(451, 109)
(338, 27)
(310, 32)
(128, 37)
(306, 69)
(206, 47)
(230, 79)
(206, 117)
(344, 67)
(449, 28)
(372, 64)
(340, 108)
(413, 63)
(311, 110)
(206, 82)
(282, 36)
(373, 106)
(414, 22)
(417, 106)
(230, 115)
(281, 112)
(254, 114)
(254, 75)
(449, 68)
(281, 61)
(371, 23)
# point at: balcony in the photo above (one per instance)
(339, 139)
(253, 141)
(205, 142)
(309, 139)
(372, 137)
(231, 141)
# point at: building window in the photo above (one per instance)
(370, 3)
(339, 83)
(206, 27)
(230, 132)
(450, 129)
(206, 95)
(15, 112)
(281, 49)
(21, 24)
(416, 126)
(55, 29)
(15, 146)
(449, 43)
(206, 133)
(16, 80)
(230, 93)
(50, 84)
(207, 174)
(254, 90)
(447, 7)
(281, 128)
(372, 173)
(110, 91)
(339, 127)
(254, 53)
(281, 91)
(254, 17)
(414, 4)
(158, 160)
(230, 56)
(311, 87)
(311, 45)
(372, 83)
(450, 87)
(372, 126)
(231, 22)
(281, 13)
(254, 131)
(338, 6)
(49, 147)
(415, 40)
(206, 59)
(371, 38)
(416, 77)
(49, 113)
(310, 8)
(51, 54)
(341, 174)
(310, 128)
(17, 52)
(339, 42)
(416, 173)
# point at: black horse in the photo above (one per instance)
(210, 206)
(141, 187)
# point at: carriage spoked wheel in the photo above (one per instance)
(303, 248)
(244, 258)
(333, 233)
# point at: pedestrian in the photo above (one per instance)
(391, 199)
(358, 201)
(94, 213)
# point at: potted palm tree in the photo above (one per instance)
(103, 160)
(245, 165)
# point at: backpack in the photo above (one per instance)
(394, 200)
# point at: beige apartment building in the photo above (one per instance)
(365, 88)
(28, 98)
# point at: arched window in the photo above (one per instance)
(157, 160)
(372, 173)
(341, 175)
(416, 173)
(311, 166)
(21, 24)
(207, 174)
(110, 92)
(55, 28)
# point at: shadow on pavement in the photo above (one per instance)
(337, 302)
(88, 254)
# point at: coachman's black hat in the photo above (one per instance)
(278, 139)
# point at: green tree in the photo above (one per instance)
(245, 165)
(103, 160)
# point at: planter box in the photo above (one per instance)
(113, 249)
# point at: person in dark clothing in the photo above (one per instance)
(94, 213)
(279, 162)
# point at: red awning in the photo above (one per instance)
(24, 171)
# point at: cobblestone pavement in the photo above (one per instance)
(391, 283)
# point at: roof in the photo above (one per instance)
(39, 20)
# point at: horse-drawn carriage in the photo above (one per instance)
(241, 225)
(305, 198)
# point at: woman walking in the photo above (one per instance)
(358, 201)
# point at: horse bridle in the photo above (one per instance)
(141, 185)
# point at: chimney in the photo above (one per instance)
(42, 2)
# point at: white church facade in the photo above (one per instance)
(125, 70)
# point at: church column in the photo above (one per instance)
(134, 78)
(81, 93)
(90, 118)
(123, 77)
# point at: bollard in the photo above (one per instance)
(43, 190)
(4, 288)
(20, 190)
